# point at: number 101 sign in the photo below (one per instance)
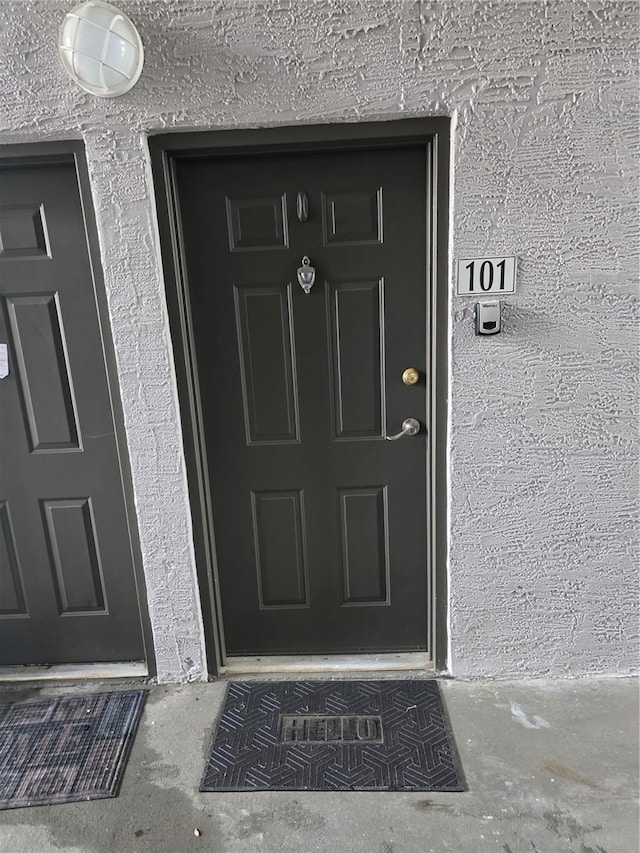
(479, 276)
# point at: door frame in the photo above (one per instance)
(72, 152)
(166, 149)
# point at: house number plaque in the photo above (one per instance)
(486, 276)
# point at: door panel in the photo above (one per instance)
(67, 587)
(12, 602)
(281, 558)
(364, 534)
(320, 524)
(355, 312)
(73, 548)
(267, 365)
(43, 372)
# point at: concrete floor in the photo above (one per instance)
(552, 767)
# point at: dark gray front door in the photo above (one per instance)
(320, 523)
(67, 589)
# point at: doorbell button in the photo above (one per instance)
(488, 317)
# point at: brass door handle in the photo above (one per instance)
(409, 427)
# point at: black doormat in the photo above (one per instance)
(66, 749)
(333, 736)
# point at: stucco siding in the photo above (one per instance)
(543, 440)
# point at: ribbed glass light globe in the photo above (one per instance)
(101, 49)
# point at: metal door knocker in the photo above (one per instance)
(306, 275)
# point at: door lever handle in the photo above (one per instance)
(409, 427)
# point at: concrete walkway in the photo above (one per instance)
(552, 767)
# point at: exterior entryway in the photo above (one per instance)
(321, 524)
(67, 587)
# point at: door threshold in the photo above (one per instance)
(327, 663)
(74, 671)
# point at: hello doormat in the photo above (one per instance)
(333, 736)
(66, 749)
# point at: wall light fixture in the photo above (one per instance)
(101, 49)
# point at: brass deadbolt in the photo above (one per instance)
(410, 376)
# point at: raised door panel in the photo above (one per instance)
(267, 363)
(352, 218)
(12, 599)
(44, 375)
(23, 233)
(75, 557)
(279, 542)
(364, 539)
(257, 223)
(355, 318)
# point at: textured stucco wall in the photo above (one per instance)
(543, 441)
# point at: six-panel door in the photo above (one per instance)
(67, 588)
(320, 523)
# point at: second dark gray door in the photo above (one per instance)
(67, 587)
(320, 523)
